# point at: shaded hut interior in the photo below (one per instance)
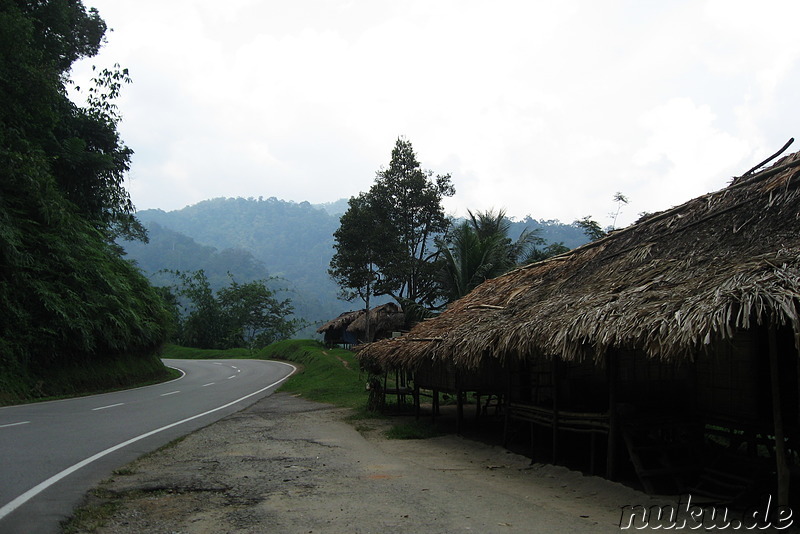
(665, 354)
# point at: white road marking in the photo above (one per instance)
(31, 493)
(170, 393)
(15, 424)
(209, 384)
(233, 376)
(109, 406)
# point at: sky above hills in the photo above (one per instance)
(540, 108)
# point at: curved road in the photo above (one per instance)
(51, 453)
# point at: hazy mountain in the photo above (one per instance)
(256, 238)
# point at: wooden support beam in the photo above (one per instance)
(782, 464)
(554, 380)
(613, 431)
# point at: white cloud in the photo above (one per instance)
(543, 108)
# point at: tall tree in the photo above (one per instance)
(359, 243)
(409, 199)
(385, 241)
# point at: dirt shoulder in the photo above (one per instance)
(292, 466)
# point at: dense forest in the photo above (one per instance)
(75, 314)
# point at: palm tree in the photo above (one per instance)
(479, 249)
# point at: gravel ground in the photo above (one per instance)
(292, 466)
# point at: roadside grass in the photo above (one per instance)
(86, 378)
(329, 375)
(92, 516)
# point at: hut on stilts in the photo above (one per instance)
(350, 328)
(667, 349)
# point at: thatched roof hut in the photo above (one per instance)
(671, 285)
(693, 311)
(350, 327)
(383, 320)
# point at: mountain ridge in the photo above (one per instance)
(260, 238)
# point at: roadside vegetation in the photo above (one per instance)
(325, 375)
(329, 375)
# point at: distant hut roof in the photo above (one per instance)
(386, 317)
(342, 321)
(670, 284)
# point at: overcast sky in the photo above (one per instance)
(541, 108)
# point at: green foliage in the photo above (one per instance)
(327, 375)
(539, 254)
(257, 317)
(383, 242)
(191, 353)
(239, 315)
(591, 228)
(360, 242)
(69, 300)
(295, 242)
(251, 238)
(410, 201)
(479, 249)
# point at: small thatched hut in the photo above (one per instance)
(683, 325)
(349, 328)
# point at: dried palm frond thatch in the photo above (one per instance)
(670, 285)
(340, 322)
(384, 318)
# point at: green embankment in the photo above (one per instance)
(325, 375)
(85, 378)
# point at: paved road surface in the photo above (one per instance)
(51, 453)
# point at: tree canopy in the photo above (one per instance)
(384, 244)
(65, 292)
(480, 248)
(239, 315)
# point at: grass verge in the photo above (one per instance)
(325, 375)
(86, 378)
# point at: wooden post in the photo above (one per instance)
(613, 422)
(554, 372)
(507, 406)
(416, 401)
(459, 410)
(777, 418)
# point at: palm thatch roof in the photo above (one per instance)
(673, 283)
(384, 318)
(342, 321)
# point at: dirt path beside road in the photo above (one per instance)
(292, 466)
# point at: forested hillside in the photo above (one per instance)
(74, 315)
(252, 239)
(256, 238)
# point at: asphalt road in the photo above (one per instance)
(51, 453)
